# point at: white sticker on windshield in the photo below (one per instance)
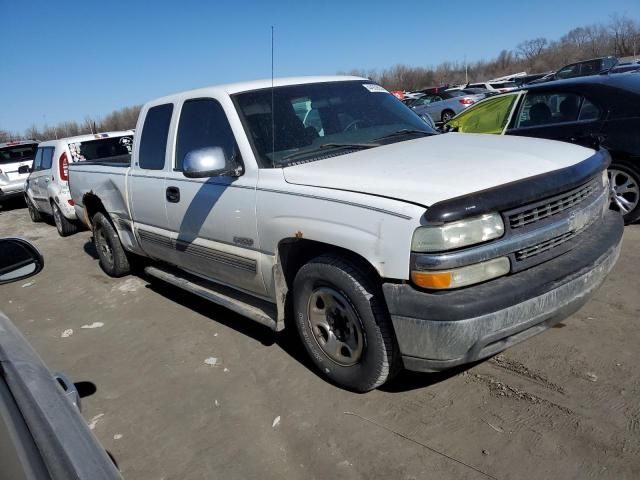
(372, 87)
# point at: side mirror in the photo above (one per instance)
(209, 162)
(18, 259)
(24, 169)
(428, 120)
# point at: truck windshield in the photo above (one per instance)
(103, 150)
(19, 153)
(321, 120)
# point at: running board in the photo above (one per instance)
(258, 310)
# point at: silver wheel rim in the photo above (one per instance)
(625, 191)
(56, 217)
(104, 247)
(335, 326)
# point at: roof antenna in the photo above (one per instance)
(273, 128)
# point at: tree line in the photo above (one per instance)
(123, 119)
(620, 37)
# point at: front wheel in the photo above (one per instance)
(624, 181)
(343, 323)
(113, 258)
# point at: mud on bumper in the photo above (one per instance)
(436, 331)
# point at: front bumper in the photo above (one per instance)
(440, 330)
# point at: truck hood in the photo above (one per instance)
(428, 170)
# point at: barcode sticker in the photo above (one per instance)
(372, 87)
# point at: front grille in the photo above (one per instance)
(553, 206)
(542, 247)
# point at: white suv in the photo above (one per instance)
(47, 189)
(16, 159)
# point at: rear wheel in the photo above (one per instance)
(342, 321)
(113, 258)
(624, 181)
(35, 215)
(63, 225)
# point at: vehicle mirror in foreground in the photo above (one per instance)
(208, 162)
(18, 259)
(24, 169)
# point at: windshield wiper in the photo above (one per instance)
(337, 146)
(405, 131)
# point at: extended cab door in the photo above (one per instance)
(147, 183)
(555, 115)
(214, 219)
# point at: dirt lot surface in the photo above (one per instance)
(188, 390)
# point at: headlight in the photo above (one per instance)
(458, 234)
(461, 277)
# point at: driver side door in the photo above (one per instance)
(213, 220)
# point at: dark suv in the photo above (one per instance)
(581, 69)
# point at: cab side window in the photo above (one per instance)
(203, 123)
(47, 158)
(153, 141)
(37, 161)
(44, 159)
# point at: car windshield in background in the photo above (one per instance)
(19, 153)
(318, 120)
(108, 150)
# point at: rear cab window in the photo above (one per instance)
(153, 140)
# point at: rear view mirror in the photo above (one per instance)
(24, 169)
(18, 259)
(208, 162)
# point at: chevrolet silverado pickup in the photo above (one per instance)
(326, 205)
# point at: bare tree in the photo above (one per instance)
(531, 49)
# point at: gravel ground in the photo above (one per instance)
(189, 390)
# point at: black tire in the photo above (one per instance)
(378, 358)
(64, 226)
(113, 258)
(447, 115)
(631, 172)
(35, 215)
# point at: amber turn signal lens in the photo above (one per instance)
(438, 280)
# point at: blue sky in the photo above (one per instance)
(68, 59)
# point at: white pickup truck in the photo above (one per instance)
(325, 204)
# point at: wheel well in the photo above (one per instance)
(92, 205)
(293, 253)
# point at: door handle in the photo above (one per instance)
(173, 194)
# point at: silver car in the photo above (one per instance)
(16, 159)
(443, 106)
